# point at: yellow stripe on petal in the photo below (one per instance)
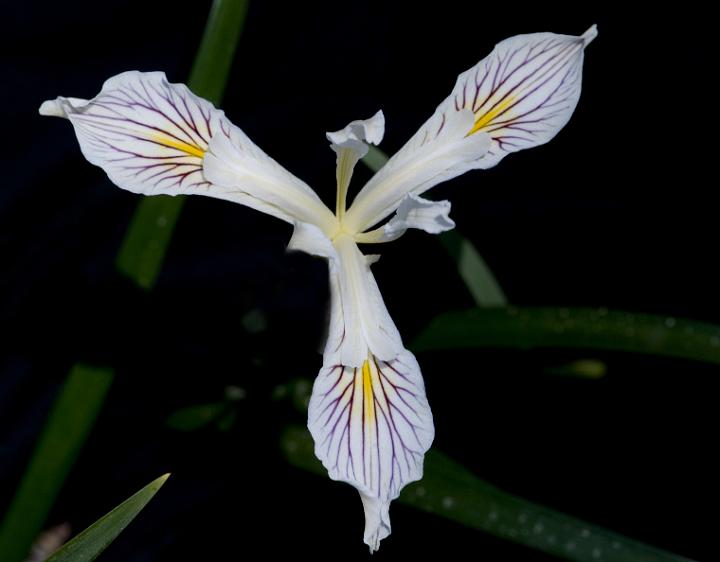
(368, 395)
(485, 118)
(191, 149)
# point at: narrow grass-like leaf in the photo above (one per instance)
(478, 277)
(66, 429)
(375, 158)
(586, 328)
(143, 250)
(217, 49)
(449, 490)
(92, 541)
(147, 239)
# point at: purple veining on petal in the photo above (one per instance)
(532, 90)
(522, 94)
(374, 437)
(149, 135)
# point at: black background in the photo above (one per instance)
(618, 211)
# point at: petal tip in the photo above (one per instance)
(375, 128)
(589, 35)
(361, 131)
(377, 521)
(52, 108)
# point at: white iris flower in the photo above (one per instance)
(368, 414)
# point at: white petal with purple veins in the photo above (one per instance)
(154, 137)
(372, 426)
(518, 97)
(524, 92)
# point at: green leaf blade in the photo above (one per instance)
(375, 158)
(473, 270)
(451, 491)
(583, 328)
(66, 430)
(216, 53)
(89, 544)
(148, 237)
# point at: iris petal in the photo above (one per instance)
(154, 137)
(518, 97)
(372, 426)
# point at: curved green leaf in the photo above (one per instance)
(451, 491)
(375, 158)
(92, 541)
(475, 273)
(586, 328)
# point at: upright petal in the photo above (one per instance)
(518, 97)
(154, 137)
(350, 145)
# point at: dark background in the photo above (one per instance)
(617, 211)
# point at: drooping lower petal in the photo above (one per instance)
(368, 413)
(372, 426)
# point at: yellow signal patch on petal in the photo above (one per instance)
(191, 149)
(372, 424)
(368, 395)
(485, 118)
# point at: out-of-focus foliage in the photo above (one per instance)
(147, 239)
(584, 328)
(140, 258)
(67, 427)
